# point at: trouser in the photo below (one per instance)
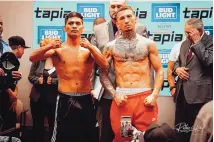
(7, 116)
(39, 110)
(75, 119)
(103, 117)
(141, 116)
(185, 116)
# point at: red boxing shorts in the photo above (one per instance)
(141, 116)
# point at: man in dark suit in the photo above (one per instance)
(195, 83)
(104, 33)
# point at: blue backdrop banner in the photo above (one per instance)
(164, 21)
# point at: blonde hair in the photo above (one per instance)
(46, 41)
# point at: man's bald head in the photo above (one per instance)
(122, 2)
(114, 6)
(99, 20)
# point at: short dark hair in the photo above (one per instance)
(123, 8)
(73, 14)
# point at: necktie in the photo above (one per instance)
(189, 55)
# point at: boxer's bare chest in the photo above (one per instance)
(130, 50)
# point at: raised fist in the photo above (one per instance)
(85, 43)
(54, 42)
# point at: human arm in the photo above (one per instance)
(204, 52)
(172, 59)
(181, 72)
(16, 74)
(46, 51)
(105, 81)
(159, 77)
(95, 52)
(13, 95)
(32, 77)
(170, 77)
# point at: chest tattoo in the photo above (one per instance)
(132, 50)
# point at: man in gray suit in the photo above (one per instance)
(194, 69)
(104, 33)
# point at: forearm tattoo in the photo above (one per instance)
(105, 81)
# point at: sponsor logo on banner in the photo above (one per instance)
(165, 36)
(50, 32)
(164, 26)
(208, 30)
(91, 11)
(50, 13)
(140, 14)
(166, 12)
(164, 55)
(198, 12)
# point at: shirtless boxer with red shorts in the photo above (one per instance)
(132, 56)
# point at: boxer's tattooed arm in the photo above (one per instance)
(104, 79)
(106, 83)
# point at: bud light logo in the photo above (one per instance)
(164, 55)
(50, 32)
(91, 11)
(166, 12)
(208, 30)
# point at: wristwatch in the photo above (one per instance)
(170, 88)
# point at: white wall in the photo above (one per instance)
(18, 20)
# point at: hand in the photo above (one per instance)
(173, 91)
(16, 75)
(182, 73)
(194, 35)
(49, 80)
(53, 42)
(85, 43)
(41, 79)
(150, 101)
(93, 94)
(1, 72)
(120, 99)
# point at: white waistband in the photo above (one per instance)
(75, 93)
(130, 91)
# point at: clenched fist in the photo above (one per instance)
(85, 43)
(53, 42)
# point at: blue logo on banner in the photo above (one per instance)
(91, 11)
(166, 12)
(51, 32)
(208, 30)
(164, 55)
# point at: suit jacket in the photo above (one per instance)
(198, 89)
(36, 70)
(103, 33)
